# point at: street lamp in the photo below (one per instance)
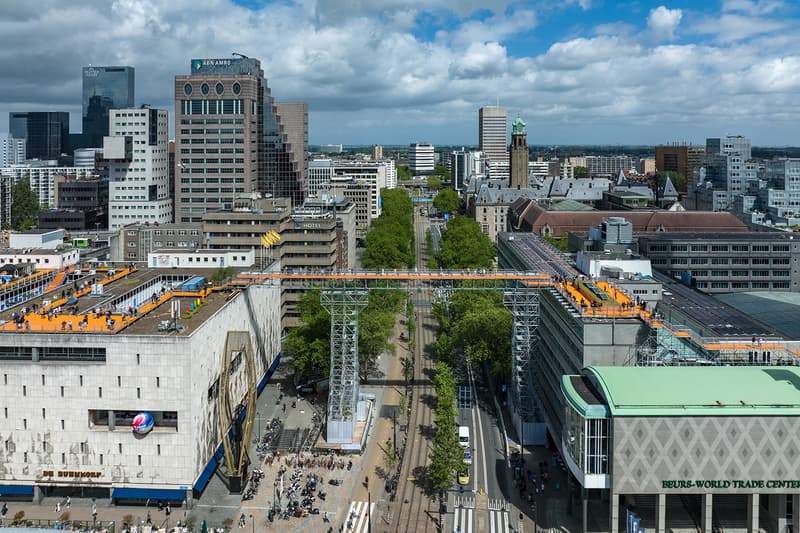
(369, 505)
(253, 521)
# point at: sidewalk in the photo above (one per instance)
(373, 464)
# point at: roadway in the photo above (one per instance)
(481, 505)
(416, 509)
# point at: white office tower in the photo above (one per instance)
(493, 137)
(12, 151)
(138, 166)
(420, 158)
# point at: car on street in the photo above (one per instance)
(463, 477)
(467, 456)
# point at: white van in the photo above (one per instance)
(463, 436)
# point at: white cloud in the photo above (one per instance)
(750, 7)
(663, 22)
(368, 77)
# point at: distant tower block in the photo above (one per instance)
(519, 154)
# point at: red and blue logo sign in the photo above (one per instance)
(143, 423)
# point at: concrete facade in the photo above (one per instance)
(84, 440)
(139, 184)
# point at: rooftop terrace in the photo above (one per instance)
(112, 301)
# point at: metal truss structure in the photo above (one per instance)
(523, 301)
(235, 419)
(344, 301)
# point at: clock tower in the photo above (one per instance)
(519, 155)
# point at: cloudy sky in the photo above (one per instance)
(398, 71)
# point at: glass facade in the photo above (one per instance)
(48, 135)
(586, 440)
(104, 88)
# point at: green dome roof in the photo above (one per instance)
(518, 127)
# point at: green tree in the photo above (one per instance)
(24, 206)
(447, 201)
(390, 239)
(477, 325)
(678, 180)
(434, 182)
(403, 173)
(446, 455)
(374, 328)
(463, 245)
(580, 172)
(310, 343)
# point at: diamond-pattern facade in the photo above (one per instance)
(648, 451)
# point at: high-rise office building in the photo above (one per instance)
(421, 158)
(377, 151)
(104, 88)
(12, 151)
(731, 144)
(46, 133)
(230, 138)
(680, 158)
(493, 133)
(293, 118)
(519, 155)
(18, 125)
(136, 149)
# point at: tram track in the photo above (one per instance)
(416, 508)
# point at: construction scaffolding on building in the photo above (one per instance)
(523, 302)
(344, 300)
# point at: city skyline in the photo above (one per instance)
(581, 72)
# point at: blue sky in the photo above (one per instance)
(399, 71)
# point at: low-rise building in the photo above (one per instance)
(726, 262)
(95, 393)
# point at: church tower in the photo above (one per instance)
(519, 155)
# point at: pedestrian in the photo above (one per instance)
(168, 510)
(284, 407)
(4, 510)
(149, 519)
(69, 502)
(58, 507)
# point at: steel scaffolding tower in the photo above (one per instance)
(345, 302)
(523, 301)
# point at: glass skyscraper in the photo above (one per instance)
(104, 88)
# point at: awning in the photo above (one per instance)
(16, 490)
(152, 494)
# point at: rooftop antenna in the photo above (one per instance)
(240, 55)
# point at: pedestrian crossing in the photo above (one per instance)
(498, 521)
(358, 517)
(462, 522)
(498, 505)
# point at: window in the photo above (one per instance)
(24, 423)
(158, 381)
(24, 390)
(44, 413)
(158, 449)
(119, 447)
(101, 458)
(43, 383)
(100, 392)
(139, 457)
(63, 425)
(138, 392)
(204, 90)
(81, 380)
(219, 88)
(119, 381)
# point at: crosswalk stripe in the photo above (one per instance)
(358, 517)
